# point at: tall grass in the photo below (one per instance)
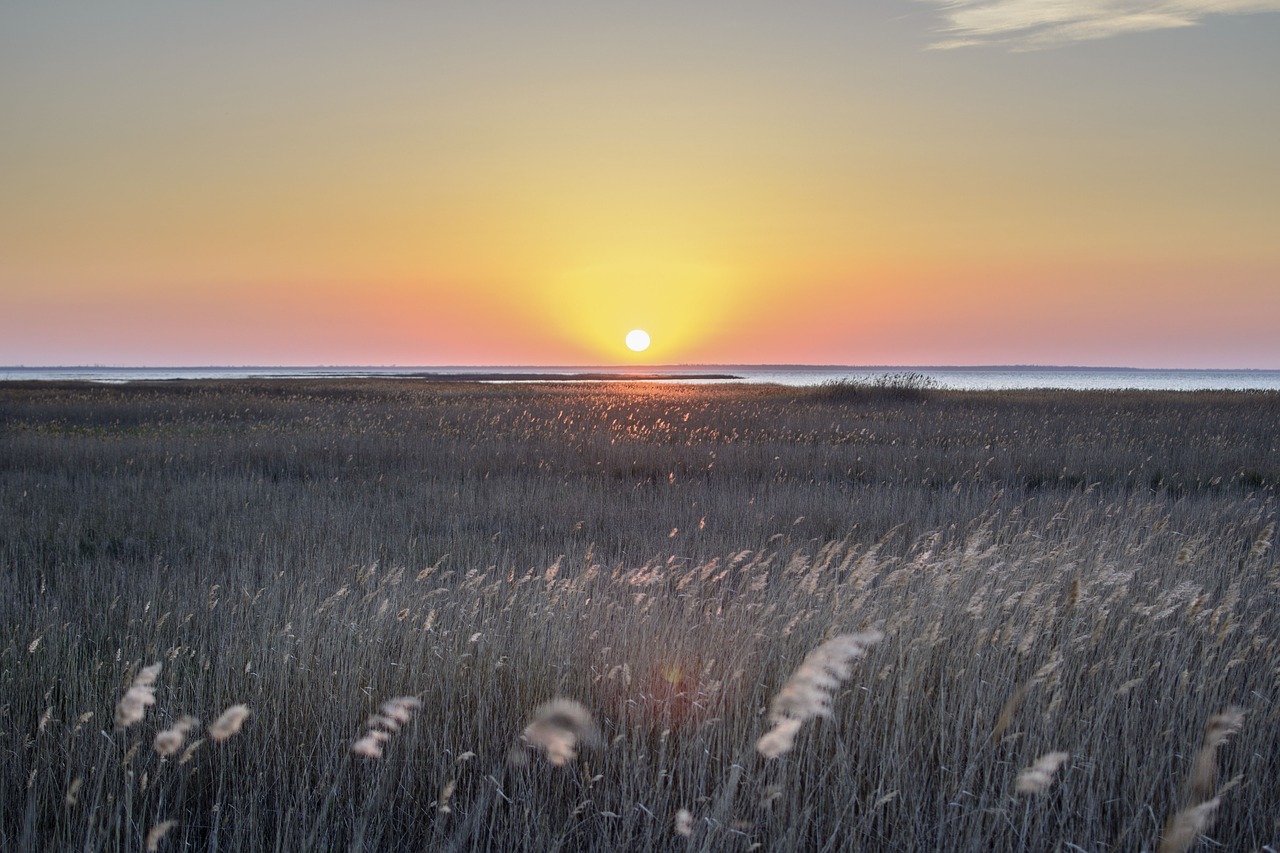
(1092, 574)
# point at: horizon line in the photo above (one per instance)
(627, 367)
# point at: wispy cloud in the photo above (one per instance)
(1032, 24)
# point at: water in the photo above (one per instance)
(956, 378)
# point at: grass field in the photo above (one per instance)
(1053, 572)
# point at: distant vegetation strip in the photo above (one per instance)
(565, 377)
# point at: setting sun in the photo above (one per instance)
(638, 340)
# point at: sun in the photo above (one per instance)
(638, 340)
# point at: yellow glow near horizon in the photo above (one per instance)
(679, 305)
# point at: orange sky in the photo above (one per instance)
(891, 182)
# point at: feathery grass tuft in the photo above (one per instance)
(157, 833)
(1186, 827)
(394, 715)
(556, 730)
(1037, 778)
(1203, 778)
(808, 693)
(170, 740)
(140, 695)
(684, 823)
(229, 723)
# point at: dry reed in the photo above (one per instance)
(392, 716)
(140, 695)
(1037, 778)
(446, 794)
(556, 730)
(170, 740)
(157, 833)
(229, 723)
(809, 691)
(1203, 778)
(222, 486)
(1186, 827)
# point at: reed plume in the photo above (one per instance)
(557, 729)
(393, 715)
(1187, 826)
(229, 723)
(1263, 543)
(1015, 700)
(780, 739)
(142, 693)
(190, 751)
(370, 746)
(1008, 710)
(446, 793)
(171, 739)
(73, 792)
(1037, 778)
(1204, 772)
(400, 708)
(157, 833)
(808, 693)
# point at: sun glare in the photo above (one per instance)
(638, 340)
(671, 306)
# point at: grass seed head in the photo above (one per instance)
(1204, 771)
(446, 793)
(1037, 778)
(557, 729)
(141, 694)
(229, 723)
(401, 708)
(171, 739)
(73, 792)
(808, 693)
(157, 833)
(1186, 827)
(1222, 726)
(780, 739)
(393, 715)
(369, 746)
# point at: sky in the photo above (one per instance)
(862, 182)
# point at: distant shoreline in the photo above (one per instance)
(564, 377)
(942, 378)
